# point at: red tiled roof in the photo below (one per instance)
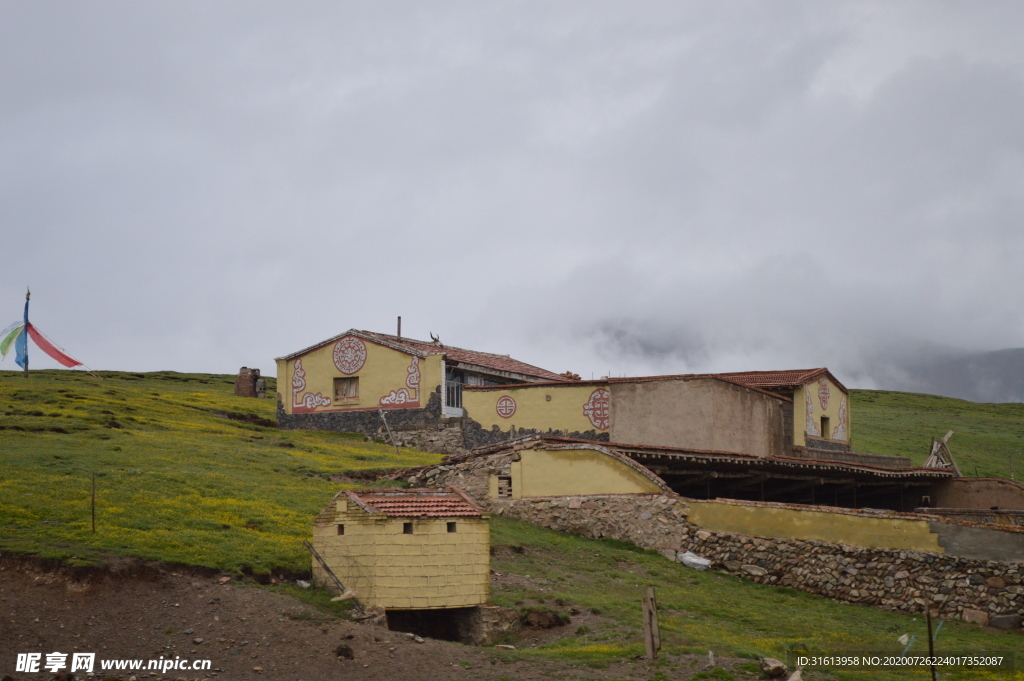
(486, 360)
(412, 503)
(709, 456)
(789, 378)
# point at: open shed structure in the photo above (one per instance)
(553, 466)
(411, 549)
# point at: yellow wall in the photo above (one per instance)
(431, 568)
(384, 370)
(762, 521)
(552, 473)
(563, 412)
(835, 403)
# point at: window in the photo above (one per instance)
(406, 528)
(346, 389)
(451, 527)
(826, 429)
(341, 529)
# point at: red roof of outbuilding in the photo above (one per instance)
(789, 378)
(413, 503)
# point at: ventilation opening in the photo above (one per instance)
(445, 624)
(406, 528)
(451, 527)
(341, 529)
(504, 485)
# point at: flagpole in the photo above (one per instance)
(28, 294)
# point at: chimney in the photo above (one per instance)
(399, 327)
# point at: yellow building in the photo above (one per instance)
(345, 382)
(443, 398)
(406, 549)
(819, 411)
(763, 413)
(548, 468)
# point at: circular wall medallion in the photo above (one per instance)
(506, 407)
(349, 355)
(823, 393)
(598, 408)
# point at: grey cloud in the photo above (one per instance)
(658, 187)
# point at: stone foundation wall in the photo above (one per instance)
(443, 438)
(846, 456)
(906, 581)
(820, 443)
(413, 427)
(420, 428)
(474, 435)
(1007, 518)
(472, 477)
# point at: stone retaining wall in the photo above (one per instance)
(421, 428)
(475, 435)
(906, 581)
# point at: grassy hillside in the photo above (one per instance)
(985, 436)
(185, 471)
(188, 473)
(701, 611)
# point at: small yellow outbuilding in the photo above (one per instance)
(406, 549)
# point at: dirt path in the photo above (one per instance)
(246, 633)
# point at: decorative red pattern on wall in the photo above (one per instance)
(506, 407)
(349, 355)
(405, 398)
(303, 404)
(598, 409)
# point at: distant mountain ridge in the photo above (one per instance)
(996, 376)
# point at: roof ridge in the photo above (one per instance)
(440, 346)
(771, 371)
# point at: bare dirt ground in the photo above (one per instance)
(148, 612)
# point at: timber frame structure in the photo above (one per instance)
(700, 474)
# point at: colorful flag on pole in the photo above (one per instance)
(46, 346)
(7, 337)
(21, 343)
(18, 333)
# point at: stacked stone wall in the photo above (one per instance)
(422, 428)
(904, 581)
(475, 435)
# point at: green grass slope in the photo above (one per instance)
(985, 436)
(185, 471)
(188, 473)
(701, 611)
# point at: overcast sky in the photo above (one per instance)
(624, 187)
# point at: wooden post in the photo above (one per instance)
(356, 605)
(394, 442)
(931, 639)
(94, 503)
(28, 295)
(652, 637)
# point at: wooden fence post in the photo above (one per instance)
(652, 637)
